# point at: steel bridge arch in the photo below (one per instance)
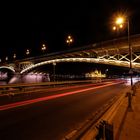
(88, 60)
(7, 67)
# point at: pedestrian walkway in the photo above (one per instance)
(126, 123)
(130, 127)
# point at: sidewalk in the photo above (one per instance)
(127, 121)
(130, 129)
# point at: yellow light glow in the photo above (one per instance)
(6, 58)
(120, 20)
(95, 74)
(27, 51)
(121, 26)
(43, 48)
(14, 56)
(114, 27)
(69, 40)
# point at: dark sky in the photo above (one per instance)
(29, 24)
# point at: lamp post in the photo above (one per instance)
(120, 20)
(54, 64)
(130, 52)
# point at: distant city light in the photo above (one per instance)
(95, 74)
(3, 76)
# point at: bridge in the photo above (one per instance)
(112, 52)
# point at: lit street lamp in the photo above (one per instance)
(43, 48)
(14, 56)
(27, 52)
(69, 40)
(6, 58)
(119, 22)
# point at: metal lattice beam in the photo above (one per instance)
(99, 60)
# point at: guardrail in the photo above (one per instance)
(4, 89)
(41, 84)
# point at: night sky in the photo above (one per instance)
(26, 25)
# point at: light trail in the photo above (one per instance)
(27, 102)
(73, 87)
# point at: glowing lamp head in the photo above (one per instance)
(114, 28)
(121, 26)
(120, 20)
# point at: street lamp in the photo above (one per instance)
(14, 56)
(119, 22)
(27, 52)
(43, 48)
(6, 58)
(69, 40)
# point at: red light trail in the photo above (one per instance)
(22, 103)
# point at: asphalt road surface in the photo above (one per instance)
(53, 113)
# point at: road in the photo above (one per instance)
(43, 118)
